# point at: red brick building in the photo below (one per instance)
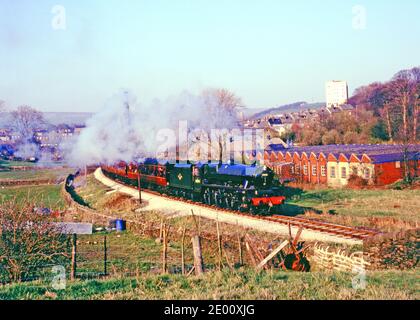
(335, 164)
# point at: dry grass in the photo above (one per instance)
(387, 210)
(242, 284)
(44, 196)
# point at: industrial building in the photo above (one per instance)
(335, 164)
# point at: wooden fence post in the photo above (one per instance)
(105, 256)
(73, 257)
(241, 259)
(183, 252)
(239, 239)
(198, 258)
(219, 245)
(165, 250)
(161, 230)
(251, 256)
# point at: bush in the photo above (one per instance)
(29, 242)
(357, 181)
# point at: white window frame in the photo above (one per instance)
(314, 171)
(343, 170)
(332, 172)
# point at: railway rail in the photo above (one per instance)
(306, 223)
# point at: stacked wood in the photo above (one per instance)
(338, 259)
(394, 251)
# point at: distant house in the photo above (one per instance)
(41, 136)
(5, 136)
(77, 130)
(346, 108)
(65, 131)
(333, 109)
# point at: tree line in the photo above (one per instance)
(384, 112)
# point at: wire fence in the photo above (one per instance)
(100, 256)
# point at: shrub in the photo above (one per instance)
(357, 181)
(29, 242)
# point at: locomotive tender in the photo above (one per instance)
(247, 188)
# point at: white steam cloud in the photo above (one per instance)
(126, 130)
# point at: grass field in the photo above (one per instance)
(385, 209)
(42, 174)
(130, 254)
(7, 163)
(127, 253)
(241, 284)
(42, 195)
(45, 195)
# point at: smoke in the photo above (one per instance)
(126, 130)
(27, 151)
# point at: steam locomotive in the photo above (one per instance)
(247, 188)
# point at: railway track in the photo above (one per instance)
(306, 223)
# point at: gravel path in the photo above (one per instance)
(174, 207)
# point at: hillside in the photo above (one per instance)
(293, 107)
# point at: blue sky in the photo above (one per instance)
(269, 52)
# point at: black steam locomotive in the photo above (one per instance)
(248, 188)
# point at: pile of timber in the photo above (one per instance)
(394, 251)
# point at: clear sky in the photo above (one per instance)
(269, 52)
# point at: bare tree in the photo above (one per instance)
(416, 113)
(407, 84)
(222, 115)
(2, 106)
(402, 94)
(411, 75)
(28, 242)
(25, 120)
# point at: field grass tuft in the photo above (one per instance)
(242, 284)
